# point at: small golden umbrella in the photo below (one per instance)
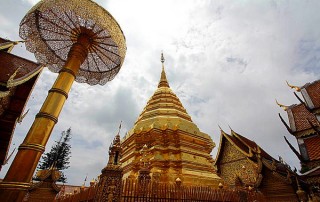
(79, 40)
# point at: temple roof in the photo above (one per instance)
(312, 145)
(17, 78)
(244, 145)
(299, 118)
(254, 153)
(164, 110)
(303, 117)
(312, 94)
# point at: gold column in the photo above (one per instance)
(18, 177)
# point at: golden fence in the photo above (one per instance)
(132, 191)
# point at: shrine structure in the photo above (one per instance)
(174, 147)
(304, 125)
(242, 163)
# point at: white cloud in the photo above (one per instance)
(226, 60)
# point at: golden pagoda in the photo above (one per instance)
(165, 141)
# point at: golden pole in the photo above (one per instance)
(17, 180)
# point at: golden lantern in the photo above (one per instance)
(82, 42)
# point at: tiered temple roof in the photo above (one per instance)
(305, 126)
(17, 78)
(242, 162)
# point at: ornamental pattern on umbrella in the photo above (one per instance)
(51, 28)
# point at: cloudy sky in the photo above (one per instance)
(226, 60)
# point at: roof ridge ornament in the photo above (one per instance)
(285, 108)
(297, 88)
(119, 128)
(8, 46)
(230, 128)
(221, 130)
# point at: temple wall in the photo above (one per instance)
(235, 164)
(276, 188)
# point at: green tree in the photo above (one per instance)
(59, 155)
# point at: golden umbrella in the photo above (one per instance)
(81, 41)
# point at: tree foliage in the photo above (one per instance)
(59, 155)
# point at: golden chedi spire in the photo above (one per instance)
(176, 147)
(163, 79)
(164, 102)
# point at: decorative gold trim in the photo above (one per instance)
(23, 186)
(241, 140)
(239, 149)
(60, 91)
(297, 88)
(28, 146)
(48, 116)
(11, 82)
(4, 93)
(9, 45)
(68, 71)
(220, 145)
(285, 108)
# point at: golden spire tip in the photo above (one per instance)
(162, 58)
(120, 126)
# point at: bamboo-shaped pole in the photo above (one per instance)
(17, 180)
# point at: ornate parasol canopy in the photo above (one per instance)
(51, 27)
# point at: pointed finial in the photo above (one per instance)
(85, 180)
(221, 130)
(20, 118)
(9, 45)
(8, 158)
(92, 182)
(298, 89)
(120, 127)
(162, 58)
(163, 79)
(285, 108)
(230, 127)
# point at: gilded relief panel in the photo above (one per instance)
(234, 164)
(230, 153)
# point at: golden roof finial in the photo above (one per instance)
(297, 88)
(221, 130)
(285, 108)
(163, 79)
(162, 58)
(119, 128)
(85, 180)
(20, 118)
(92, 182)
(230, 128)
(8, 46)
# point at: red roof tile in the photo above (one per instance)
(11, 64)
(301, 116)
(314, 93)
(313, 145)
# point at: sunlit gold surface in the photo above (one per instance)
(65, 35)
(26, 160)
(176, 146)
